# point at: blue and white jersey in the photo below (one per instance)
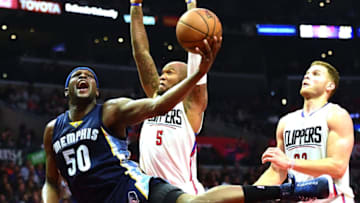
(94, 163)
(306, 137)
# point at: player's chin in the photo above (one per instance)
(161, 91)
(303, 92)
(83, 95)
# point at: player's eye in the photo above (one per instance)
(76, 75)
(89, 75)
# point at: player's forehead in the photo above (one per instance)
(316, 68)
(82, 71)
(169, 67)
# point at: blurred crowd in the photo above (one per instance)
(21, 183)
(21, 180)
(35, 100)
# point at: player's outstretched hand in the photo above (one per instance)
(208, 53)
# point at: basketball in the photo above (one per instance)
(196, 25)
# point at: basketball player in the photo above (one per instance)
(167, 142)
(87, 146)
(317, 139)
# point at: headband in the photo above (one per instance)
(81, 68)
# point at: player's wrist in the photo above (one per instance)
(203, 80)
(291, 164)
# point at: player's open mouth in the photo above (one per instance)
(82, 86)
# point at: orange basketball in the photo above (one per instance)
(195, 25)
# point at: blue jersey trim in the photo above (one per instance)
(303, 115)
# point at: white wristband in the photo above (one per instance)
(203, 80)
(193, 63)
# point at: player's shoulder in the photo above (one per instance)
(51, 124)
(291, 115)
(287, 119)
(49, 129)
(337, 111)
(114, 107)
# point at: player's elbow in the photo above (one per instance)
(136, 54)
(139, 53)
(339, 170)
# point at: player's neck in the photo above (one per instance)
(313, 104)
(77, 112)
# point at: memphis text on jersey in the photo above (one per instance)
(301, 137)
(74, 137)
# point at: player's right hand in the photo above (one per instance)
(277, 157)
(208, 53)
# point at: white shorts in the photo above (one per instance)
(193, 187)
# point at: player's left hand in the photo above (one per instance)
(277, 157)
(208, 54)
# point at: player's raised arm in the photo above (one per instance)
(127, 112)
(148, 74)
(50, 190)
(196, 102)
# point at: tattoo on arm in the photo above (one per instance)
(140, 44)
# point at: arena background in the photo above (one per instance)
(254, 81)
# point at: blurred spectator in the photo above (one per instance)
(25, 170)
(242, 150)
(5, 139)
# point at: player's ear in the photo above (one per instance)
(97, 93)
(330, 86)
(66, 92)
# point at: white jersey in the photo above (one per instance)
(305, 137)
(168, 150)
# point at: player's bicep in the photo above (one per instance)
(341, 138)
(195, 104)
(197, 99)
(148, 74)
(52, 174)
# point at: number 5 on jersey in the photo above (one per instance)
(158, 137)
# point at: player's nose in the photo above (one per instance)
(306, 76)
(163, 77)
(82, 76)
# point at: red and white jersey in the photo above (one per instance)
(305, 137)
(168, 150)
